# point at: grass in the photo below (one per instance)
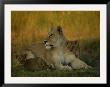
(57, 73)
(28, 27)
(89, 52)
(32, 26)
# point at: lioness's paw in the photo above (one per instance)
(68, 68)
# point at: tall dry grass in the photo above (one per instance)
(32, 26)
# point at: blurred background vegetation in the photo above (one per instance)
(29, 27)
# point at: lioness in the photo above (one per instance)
(55, 53)
(63, 59)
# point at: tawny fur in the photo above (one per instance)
(55, 52)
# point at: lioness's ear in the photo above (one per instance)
(59, 29)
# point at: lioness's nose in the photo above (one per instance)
(45, 41)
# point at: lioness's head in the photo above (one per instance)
(55, 38)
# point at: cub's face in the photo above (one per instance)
(54, 37)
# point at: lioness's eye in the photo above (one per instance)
(50, 35)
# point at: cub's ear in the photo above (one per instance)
(59, 29)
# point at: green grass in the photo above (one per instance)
(89, 52)
(57, 73)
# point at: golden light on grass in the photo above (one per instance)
(31, 26)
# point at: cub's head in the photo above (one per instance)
(55, 38)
